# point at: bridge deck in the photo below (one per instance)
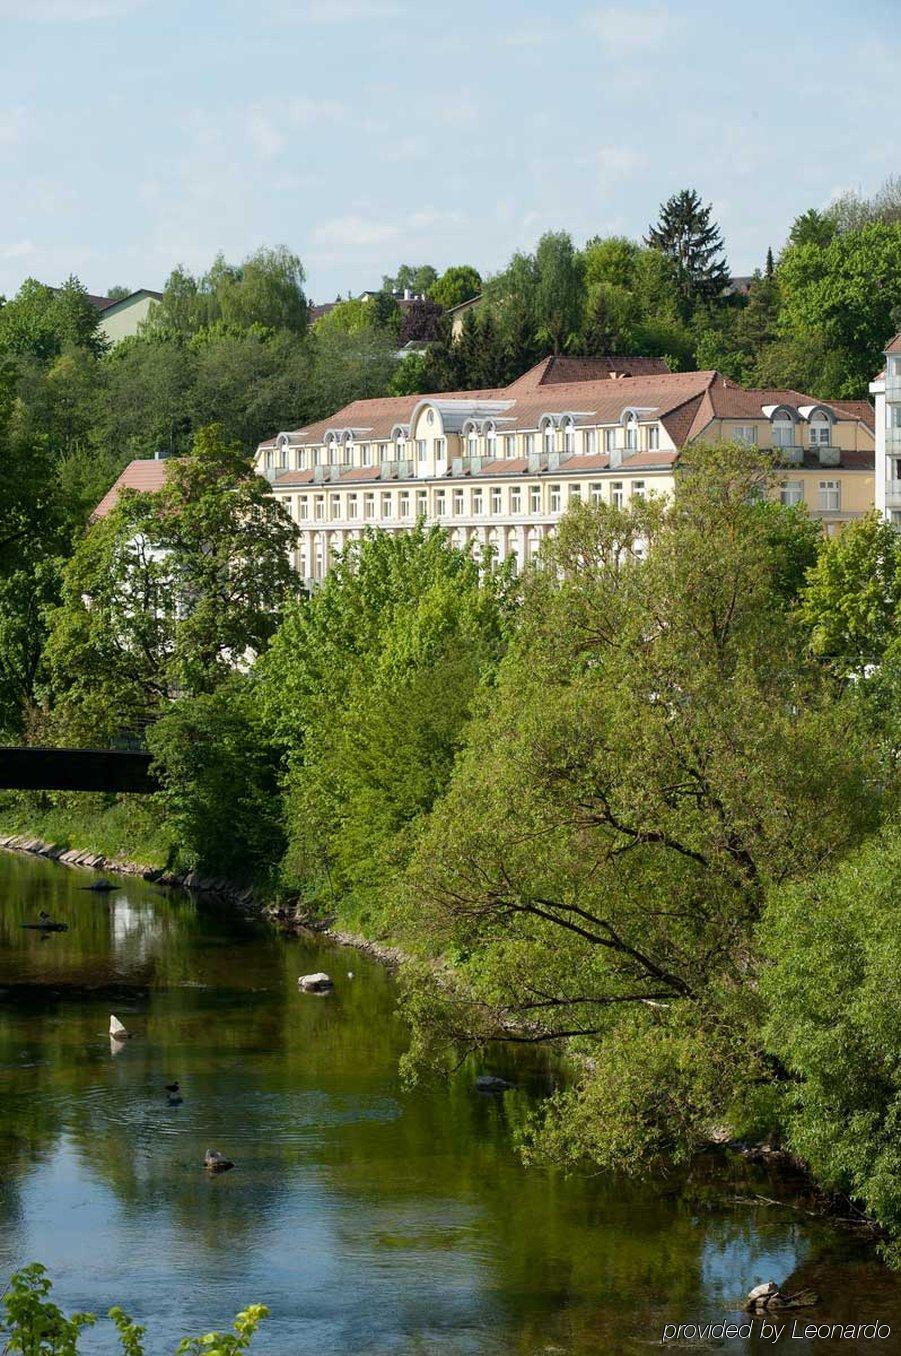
(37, 769)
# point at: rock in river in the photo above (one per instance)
(491, 1083)
(213, 1161)
(117, 1031)
(318, 983)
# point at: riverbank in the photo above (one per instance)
(246, 899)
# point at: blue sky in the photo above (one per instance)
(137, 134)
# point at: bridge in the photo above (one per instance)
(38, 769)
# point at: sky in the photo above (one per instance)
(140, 134)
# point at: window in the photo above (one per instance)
(422, 503)
(569, 438)
(830, 496)
(516, 500)
(335, 506)
(477, 502)
(364, 454)
(616, 494)
(590, 441)
(420, 450)
(386, 504)
(496, 499)
(550, 438)
(440, 448)
(575, 494)
(529, 444)
(534, 498)
(319, 506)
(783, 431)
(491, 442)
(400, 445)
(384, 451)
(896, 469)
(458, 503)
(820, 431)
(638, 489)
(632, 434)
(596, 490)
(509, 446)
(440, 503)
(351, 506)
(555, 499)
(303, 506)
(746, 433)
(368, 505)
(472, 443)
(609, 439)
(653, 437)
(302, 459)
(791, 492)
(404, 498)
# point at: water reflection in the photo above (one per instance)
(368, 1218)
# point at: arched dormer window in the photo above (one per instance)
(472, 441)
(783, 429)
(631, 440)
(490, 439)
(400, 444)
(569, 436)
(348, 450)
(550, 437)
(820, 429)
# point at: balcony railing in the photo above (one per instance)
(893, 493)
(893, 441)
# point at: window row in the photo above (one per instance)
(461, 501)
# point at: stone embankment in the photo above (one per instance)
(287, 916)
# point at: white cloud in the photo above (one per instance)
(406, 149)
(342, 11)
(617, 162)
(354, 230)
(263, 135)
(66, 11)
(20, 250)
(630, 28)
(12, 125)
(267, 127)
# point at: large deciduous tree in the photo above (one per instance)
(169, 594)
(658, 750)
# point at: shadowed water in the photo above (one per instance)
(370, 1219)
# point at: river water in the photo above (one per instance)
(368, 1218)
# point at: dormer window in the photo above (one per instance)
(491, 441)
(820, 430)
(569, 437)
(632, 434)
(550, 438)
(783, 430)
(472, 443)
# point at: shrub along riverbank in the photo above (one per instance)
(622, 803)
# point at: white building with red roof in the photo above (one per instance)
(498, 467)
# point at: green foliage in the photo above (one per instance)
(457, 284)
(685, 234)
(419, 278)
(219, 770)
(39, 321)
(266, 290)
(833, 946)
(169, 593)
(852, 598)
(658, 751)
(369, 684)
(35, 1326)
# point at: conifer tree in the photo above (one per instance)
(685, 233)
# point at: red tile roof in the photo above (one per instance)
(146, 475)
(895, 345)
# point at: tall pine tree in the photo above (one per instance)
(685, 233)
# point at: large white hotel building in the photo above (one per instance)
(498, 467)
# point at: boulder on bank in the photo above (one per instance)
(318, 983)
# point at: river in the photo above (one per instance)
(370, 1219)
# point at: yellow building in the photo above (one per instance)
(498, 467)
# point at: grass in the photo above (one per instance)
(132, 828)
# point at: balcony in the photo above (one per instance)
(893, 442)
(396, 470)
(893, 493)
(789, 454)
(892, 385)
(465, 466)
(827, 455)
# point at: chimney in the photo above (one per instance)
(408, 295)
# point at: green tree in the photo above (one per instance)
(658, 750)
(558, 290)
(832, 985)
(170, 593)
(852, 599)
(812, 228)
(266, 289)
(457, 284)
(40, 320)
(685, 233)
(418, 278)
(369, 684)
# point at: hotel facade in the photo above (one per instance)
(886, 389)
(498, 468)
